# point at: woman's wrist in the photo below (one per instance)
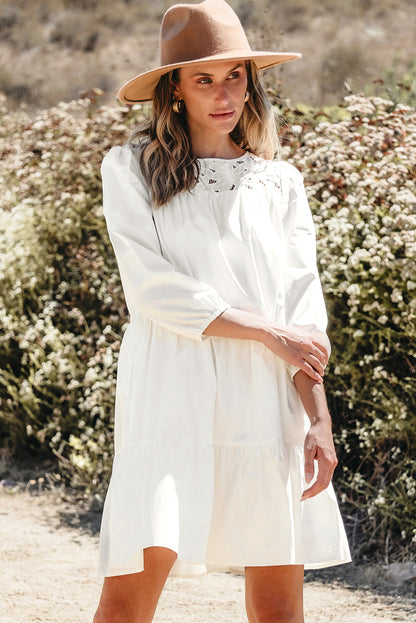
(272, 334)
(312, 395)
(239, 324)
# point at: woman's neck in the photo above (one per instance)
(225, 149)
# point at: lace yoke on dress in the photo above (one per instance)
(248, 171)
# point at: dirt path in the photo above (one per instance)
(47, 576)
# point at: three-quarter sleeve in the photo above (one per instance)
(304, 300)
(151, 285)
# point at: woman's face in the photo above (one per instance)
(214, 96)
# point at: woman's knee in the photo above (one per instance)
(111, 612)
(118, 611)
(273, 613)
(274, 594)
(132, 598)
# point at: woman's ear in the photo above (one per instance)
(175, 91)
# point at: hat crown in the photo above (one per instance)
(193, 31)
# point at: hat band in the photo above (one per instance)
(210, 54)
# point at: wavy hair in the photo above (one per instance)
(165, 152)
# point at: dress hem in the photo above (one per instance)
(237, 569)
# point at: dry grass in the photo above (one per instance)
(53, 49)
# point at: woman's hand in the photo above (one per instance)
(319, 444)
(306, 351)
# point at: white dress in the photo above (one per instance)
(209, 431)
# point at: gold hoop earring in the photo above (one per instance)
(247, 97)
(178, 106)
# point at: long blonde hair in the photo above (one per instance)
(165, 155)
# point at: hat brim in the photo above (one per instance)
(141, 87)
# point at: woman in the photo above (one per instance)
(224, 452)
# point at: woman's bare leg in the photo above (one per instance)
(133, 598)
(274, 594)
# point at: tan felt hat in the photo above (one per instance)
(195, 33)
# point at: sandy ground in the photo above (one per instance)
(47, 574)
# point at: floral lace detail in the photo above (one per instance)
(219, 175)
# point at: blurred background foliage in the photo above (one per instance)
(62, 311)
(50, 50)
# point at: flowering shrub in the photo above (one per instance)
(62, 309)
(360, 175)
(61, 304)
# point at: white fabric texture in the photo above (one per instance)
(209, 431)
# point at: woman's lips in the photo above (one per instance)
(222, 115)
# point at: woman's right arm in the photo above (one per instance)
(298, 348)
(151, 284)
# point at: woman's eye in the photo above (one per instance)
(236, 74)
(204, 81)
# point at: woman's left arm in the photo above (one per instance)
(319, 443)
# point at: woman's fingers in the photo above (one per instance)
(311, 371)
(310, 346)
(317, 364)
(309, 464)
(312, 366)
(322, 453)
(316, 488)
(323, 351)
(320, 352)
(322, 481)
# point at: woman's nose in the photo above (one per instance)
(221, 93)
